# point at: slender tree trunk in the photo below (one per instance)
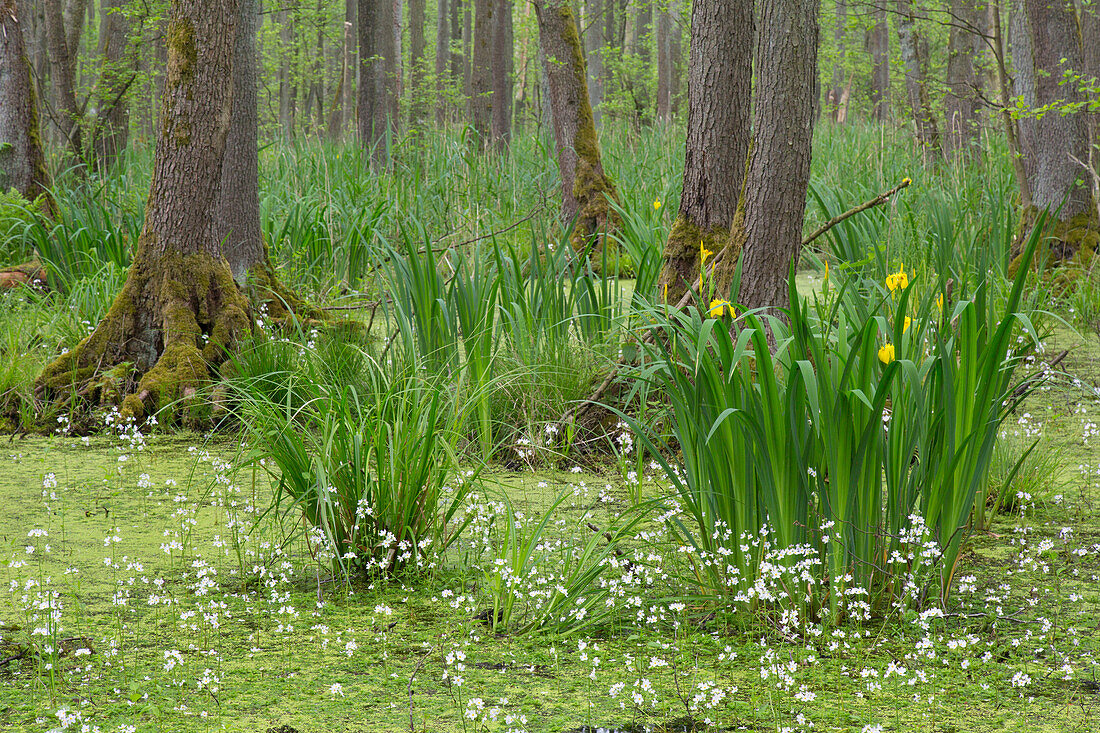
(502, 64)
(779, 171)
(112, 114)
(593, 47)
(418, 65)
(481, 78)
(179, 309)
(467, 48)
(586, 189)
(664, 65)
(1011, 128)
(287, 83)
(879, 46)
(915, 60)
(62, 74)
(22, 166)
(963, 85)
(442, 55)
(1024, 86)
(317, 83)
(643, 36)
(457, 60)
(376, 107)
(840, 35)
(719, 96)
(676, 50)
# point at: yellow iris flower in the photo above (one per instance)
(886, 354)
(719, 308)
(898, 280)
(656, 204)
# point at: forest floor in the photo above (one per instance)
(147, 587)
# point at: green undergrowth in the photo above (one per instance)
(201, 609)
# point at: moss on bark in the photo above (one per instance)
(1071, 246)
(172, 324)
(682, 267)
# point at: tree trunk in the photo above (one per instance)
(120, 65)
(719, 96)
(879, 47)
(418, 66)
(457, 59)
(779, 171)
(502, 63)
(1090, 44)
(676, 68)
(1059, 139)
(442, 55)
(664, 66)
(376, 107)
(840, 34)
(1024, 85)
(585, 187)
(288, 88)
(963, 85)
(22, 166)
(481, 77)
(915, 60)
(1011, 128)
(61, 72)
(643, 36)
(593, 46)
(342, 99)
(236, 210)
(179, 309)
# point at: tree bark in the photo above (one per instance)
(593, 47)
(481, 77)
(837, 90)
(418, 66)
(62, 74)
(664, 65)
(879, 47)
(442, 55)
(502, 63)
(342, 99)
(963, 85)
(1090, 44)
(586, 189)
(719, 97)
(120, 65)
(179, 309)
(376, 105)
(22, 166)
(288, 88)
(779, 171)
(1059, 138)
(914, 59)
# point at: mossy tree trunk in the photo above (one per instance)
(779, 170)
(237, 208)
(179, 309)
(22, 166)
(586, 189)
(1059, 142)
(719, 94)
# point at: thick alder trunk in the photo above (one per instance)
(914, 59)
(719, 96)
(878, 44)
(501, 128)
(120, 66)
(963, 85)
(179, 309)
(779, 171)
(22, 166)
(586, 189)
(481, 77)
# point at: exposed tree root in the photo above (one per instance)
(170, 327)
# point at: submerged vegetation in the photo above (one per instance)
(876, 513)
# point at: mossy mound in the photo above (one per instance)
(1070, 247)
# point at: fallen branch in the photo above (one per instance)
(582, 407)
